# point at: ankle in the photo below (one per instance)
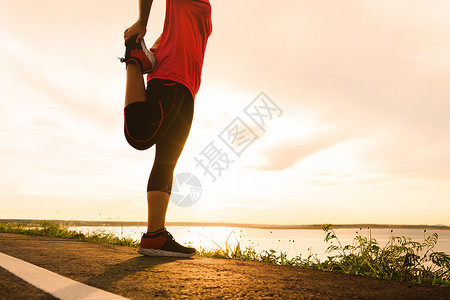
(154, 232)
(155, 229)
(133, 65)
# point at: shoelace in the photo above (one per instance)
(169, 235)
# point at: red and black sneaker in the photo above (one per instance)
(161, 243)
(140, 55)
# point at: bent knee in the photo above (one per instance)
(140, 147)
(137, 144)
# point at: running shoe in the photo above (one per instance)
(162, 243)
(138, 53)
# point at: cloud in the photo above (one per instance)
(286, 154)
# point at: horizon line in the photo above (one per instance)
(228, 224)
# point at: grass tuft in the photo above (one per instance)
(57, 230)
(400, 259)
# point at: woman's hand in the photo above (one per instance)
(137, 30)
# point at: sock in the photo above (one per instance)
(154, 233)
(133, 61)
(153, 240)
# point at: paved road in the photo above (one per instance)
(120, 270)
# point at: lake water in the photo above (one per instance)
(293, 242)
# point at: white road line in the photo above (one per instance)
(59, 286)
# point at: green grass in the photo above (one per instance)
(400, 259)
(51, 229)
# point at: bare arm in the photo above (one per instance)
(139, 28)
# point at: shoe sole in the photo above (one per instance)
(149, 55)
(158, 252)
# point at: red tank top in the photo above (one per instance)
(180, 53)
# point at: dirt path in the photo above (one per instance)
(122, 271)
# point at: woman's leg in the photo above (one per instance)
(164, 119)
(168, 150)
(157, 207)
(145, 122)
(157, 241)
(135, 87)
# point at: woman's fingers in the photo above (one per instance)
(140, 37)
(137, 30)
(126, 34)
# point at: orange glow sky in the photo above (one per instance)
(363, 85)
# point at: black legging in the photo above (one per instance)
(165, 120)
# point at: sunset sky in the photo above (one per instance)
(363, 86)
